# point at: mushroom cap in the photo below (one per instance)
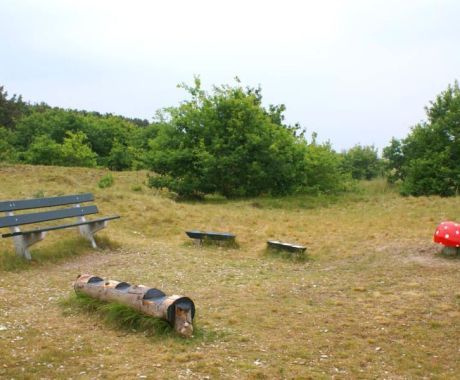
(448, 234)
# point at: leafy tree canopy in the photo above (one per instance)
(362, 162)
(427, 160)
(226, 142)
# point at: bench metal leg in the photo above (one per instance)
(198, 242)
(89, 230)
(23, 242)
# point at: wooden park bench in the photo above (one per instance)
(295, 248)
(24, 239)
(200, 236)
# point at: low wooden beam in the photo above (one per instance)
(179, 311)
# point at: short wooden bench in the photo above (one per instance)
(275, 244)
(200, 236)
(24, 239)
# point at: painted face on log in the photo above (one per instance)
(183, 320)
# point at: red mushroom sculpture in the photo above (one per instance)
(448, 234)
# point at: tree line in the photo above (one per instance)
(225, 141)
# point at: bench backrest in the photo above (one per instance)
(37, 217)
(27, 204)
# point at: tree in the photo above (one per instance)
(10, 109)
(44, 151)
(393, 160)
(427, 160)
(362, 162)
(120, 157)
(226, 142)
(76, 151)
(53, 122)
(7, 152)
(323, 169)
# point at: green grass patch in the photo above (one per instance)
(128, 319)
(59, 251)
(105, 181)
(136, 188)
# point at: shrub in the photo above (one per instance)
(76, 151)
(105, 181)
(44, 150)
(226, 142)
(362, 162)
(120, 157)
(427, 159)
(7, 151)
(323, 170)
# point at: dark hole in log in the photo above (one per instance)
(122, 286)
(184, 303)
(153, 293)
(94, 279)
(186, 306)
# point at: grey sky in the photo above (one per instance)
(353, 71)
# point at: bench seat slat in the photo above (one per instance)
(286, 246)
(210, 235)
(18, 220)
(52, 228)
(25, 204)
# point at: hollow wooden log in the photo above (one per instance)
(179, 311)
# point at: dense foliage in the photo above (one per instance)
(40, 134)
(223, 142)
(427, 161)
(362, 162)
(226, 142)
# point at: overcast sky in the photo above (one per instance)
(353, 71)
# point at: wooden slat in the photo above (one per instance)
(286, 246)
(26, 204)
(18, 220)
(52, 228)
(210, 235)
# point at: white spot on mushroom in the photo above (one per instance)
(437, 232)
(445, 227)
(446, 236)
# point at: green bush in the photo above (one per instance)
(322, 170)
(44, 151)
(7, 151)
(106, 181)
(362, 162)
(120, 157)
(427, 160)
(75, 151)
(226, 142)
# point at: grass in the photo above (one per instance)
(59, 251)
(296, 256)
(117, 315)
(375, 299)
(122, 317)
